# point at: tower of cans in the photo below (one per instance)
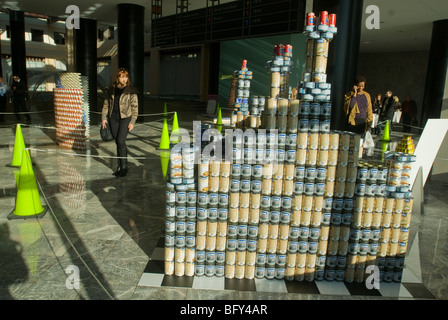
(293, 203)
(241, 107)
(181, 214)
(397, 211)
(279, 69)
(257, 104)
(314, 91)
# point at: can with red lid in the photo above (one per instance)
(332, 20)
(310, 18)
(288, 50)
(323, 18)
(279, 49)
(323, 21)
(310, 21)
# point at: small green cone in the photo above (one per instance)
(174, 138)
(165, 139)
(19, 146)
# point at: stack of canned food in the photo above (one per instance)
(399, 165)
(314, 86)
(256, 110)
(342, 206)
(280, 70)
(241, 107)
(406, 145)
(180, 223)
(212, 216)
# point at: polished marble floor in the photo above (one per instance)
(108, 230)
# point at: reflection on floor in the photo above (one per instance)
(106, 232)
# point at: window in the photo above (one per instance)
(59, 38)
(100, 34)
(111, 33)
(37, 35)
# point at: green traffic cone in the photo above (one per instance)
(174, 138)
(19, 146)
(386, 132)
(219, 120)
(27, 200)
(165, 139)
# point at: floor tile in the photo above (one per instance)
(332, 288)
(210, 283)
(151, 279)
(273, 285)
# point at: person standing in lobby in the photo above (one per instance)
(19, 98)
(120, 108)
(409, 109)
(387, 112)
(358, 108)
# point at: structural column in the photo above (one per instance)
(343, 52)
(18, 51)
(131, 50)
(86, 57)
(436, 75)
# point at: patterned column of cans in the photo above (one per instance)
(242, 92)
(212, 217)
(244, 207)
(181, 216)
(279, 69)
(342, 206)
(396, 217)
(366, 219)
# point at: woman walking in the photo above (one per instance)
(120, 108)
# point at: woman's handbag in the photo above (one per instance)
(105, 133)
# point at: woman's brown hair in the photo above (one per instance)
(120, 72)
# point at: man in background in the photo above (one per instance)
(409, 109)
(19, 98)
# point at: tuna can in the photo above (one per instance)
(262, 245)
(301, 259)
(316, 218)
(294, 233)
(243, 216)
(332, 157)
(221, 243)
(343, 248)
(213, 200)
(266, 186)
(169, 268)
(260, 271)
(333, 141)
(309, 274)
(255, 186)
(239, 271)
(326, 216)
(229, 271)
(292, 247)
(305, 219)
(219, 270)
(236, 171)
(254, 215)
(169, 253)
(297, 202)
(265, 216)
(299, 273)
(344, 233)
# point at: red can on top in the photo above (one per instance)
(332, 20)
(324, 18)
(310, 18)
